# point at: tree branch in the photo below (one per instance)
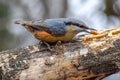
(94, 59)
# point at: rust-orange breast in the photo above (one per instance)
(45, 36)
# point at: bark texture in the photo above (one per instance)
(95, 58)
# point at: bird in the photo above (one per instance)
(56, 29)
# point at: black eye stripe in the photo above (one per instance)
(76, 24)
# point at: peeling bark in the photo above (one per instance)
(94, 59)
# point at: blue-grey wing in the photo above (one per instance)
(57, 26)
(52, 26)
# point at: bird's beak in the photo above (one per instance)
(92, 31)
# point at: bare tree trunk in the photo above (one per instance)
(93, 59)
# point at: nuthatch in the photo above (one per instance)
(53, 30)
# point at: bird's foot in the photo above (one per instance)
(58, 43)
(44, 46)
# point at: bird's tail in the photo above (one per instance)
(23, 22)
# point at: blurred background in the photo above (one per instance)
(98, 14)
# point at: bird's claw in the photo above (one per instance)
(44, 46)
